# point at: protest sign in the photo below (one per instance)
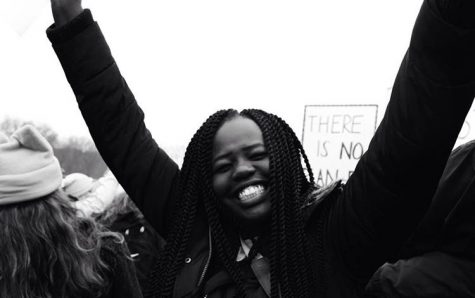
(335, 137)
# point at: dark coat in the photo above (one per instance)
(368, 219)
(449, 224)
(124, 283)
(439, 259)
(143, 242)
(430, 275)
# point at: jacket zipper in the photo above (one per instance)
(208, 261)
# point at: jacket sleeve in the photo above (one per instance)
(395, 179)
(114, 119)
(433, 274)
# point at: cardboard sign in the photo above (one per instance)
(335, 137)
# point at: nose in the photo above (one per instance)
(243, 170)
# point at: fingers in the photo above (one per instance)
(65, 10)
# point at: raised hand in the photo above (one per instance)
(65, 10)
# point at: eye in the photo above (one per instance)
(221, 167)
(258, 155)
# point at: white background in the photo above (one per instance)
(185, 59)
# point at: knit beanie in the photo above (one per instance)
(28, 168)
(77, 184)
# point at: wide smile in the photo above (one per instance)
(252, 194)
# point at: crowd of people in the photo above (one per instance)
(106, 202)
(243, 216)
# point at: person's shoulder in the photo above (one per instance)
(113, 249)
(121, 270)
(464, 149)
(319, 196)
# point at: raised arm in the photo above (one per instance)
(114, 118)
(394, 181)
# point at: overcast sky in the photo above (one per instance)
(185, 59)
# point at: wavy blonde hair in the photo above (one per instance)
(48, 251)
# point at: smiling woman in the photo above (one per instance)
(242, 217)
(241, 174)
(232, 176)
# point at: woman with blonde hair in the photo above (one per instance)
(47, 250)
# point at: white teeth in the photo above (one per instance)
(251, 192)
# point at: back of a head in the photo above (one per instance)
(28, 168)
(449, 223)
(42, 241)
(458, 232)
(77, 185)
(121, 207)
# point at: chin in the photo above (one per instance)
(254, 220)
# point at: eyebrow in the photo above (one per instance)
(249, 147)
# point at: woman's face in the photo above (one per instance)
(241, 172)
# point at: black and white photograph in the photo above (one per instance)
(237, 149)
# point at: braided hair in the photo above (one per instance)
(289, 252)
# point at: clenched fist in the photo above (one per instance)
(65, 10)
